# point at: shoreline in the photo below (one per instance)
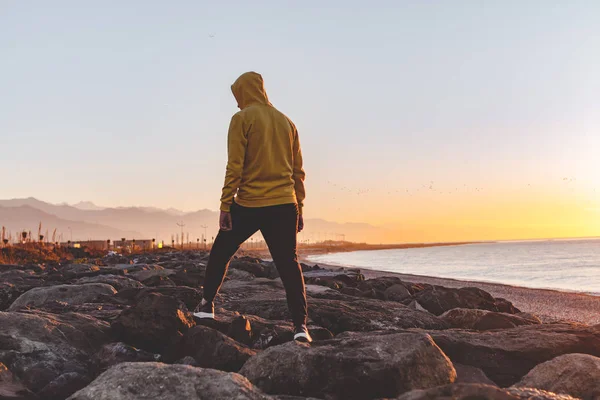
(551, 305)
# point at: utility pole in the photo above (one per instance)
(181, 225)
(204, 237)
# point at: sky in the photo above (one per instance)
(438, 120)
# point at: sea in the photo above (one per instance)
(563, 264)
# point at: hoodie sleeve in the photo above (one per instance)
(237, 140)
(299, 173)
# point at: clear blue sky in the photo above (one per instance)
(128, 102)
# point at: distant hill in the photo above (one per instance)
(89, 221)
(17, 219)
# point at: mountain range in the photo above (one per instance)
(88, 221)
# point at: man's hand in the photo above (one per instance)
(300, 223)
(225, 221)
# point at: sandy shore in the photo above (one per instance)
(549, 305)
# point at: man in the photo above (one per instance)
(264, 190)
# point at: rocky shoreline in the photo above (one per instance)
(120, 327)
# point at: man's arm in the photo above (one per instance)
(237, 140)
(299, 173)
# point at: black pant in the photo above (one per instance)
(278, 225)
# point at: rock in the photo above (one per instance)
(159, 281)
(479, 391)
(333, 279)
(189, 296)
(323, 292)
(534, 319)
(11, 388)
(187, 360)
(396, 292)
(257, 332)
(240, 330)
(359, 366)
(153, 323)
(8, 294)
(350, 291)
(482, 320)
(240, 275)
(64, 385)
(469, 374)
(345, 315)
(116, 353)
(210, 349)
(117, 281)
(438, 300)
(103, 311)
(133, 381)
(255, 267)
(577, 375)
(39, 347)
(142, 272)
(72, 294)
(507, 355)
(79, 270)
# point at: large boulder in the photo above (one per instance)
(210, 349)
(483, 320)
(479, 391)
(14, 282)
(257, 332)
(48, 353)
(133, 381)
(438, 299)
(115, 353)
(189, 296)
(258, 268)
(357, 366)
(154, 323)
(11, 388)
(119, 282)
(354, 314)
(71, 294)
(507, 355)
(577, 375)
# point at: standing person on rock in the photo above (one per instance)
(264, 190)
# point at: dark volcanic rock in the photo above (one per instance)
(507, 355)
(396, 292)
(470, 374)
(103, 311)
(483, 320)
(138, 381)
(256, 267)
(15, 282)
(479, 392)
(210, 349)
(153, 323)
(359, 366)
(159, 281)
(116, 353)
(257, 332)
(117, 281)
(334, 279)
(72, 294)
(345, 315)
(11, 388)
(577, 375)
(65, 385)
(142, 272)
(39, 347)
(438, 300)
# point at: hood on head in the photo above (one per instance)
(249, 89)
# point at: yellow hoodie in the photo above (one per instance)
(264, 165)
